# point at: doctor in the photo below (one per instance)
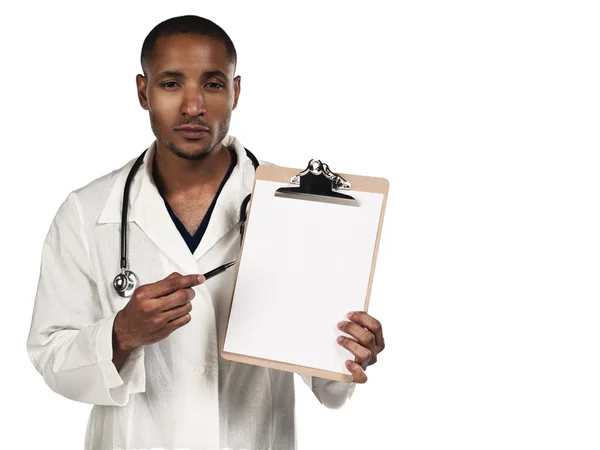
(150, 363)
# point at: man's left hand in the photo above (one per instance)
(368, 344)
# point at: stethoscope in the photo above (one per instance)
(127, 281)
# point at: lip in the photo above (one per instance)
(192, 132)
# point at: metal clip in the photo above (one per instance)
(316, 167)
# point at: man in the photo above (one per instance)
(154, 375)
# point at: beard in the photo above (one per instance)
(196, 156)
(222, 126)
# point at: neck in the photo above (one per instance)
(175, 176)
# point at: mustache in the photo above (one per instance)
(193, 123)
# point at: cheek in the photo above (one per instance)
(220, 104)
(164, 106)
(222, 110)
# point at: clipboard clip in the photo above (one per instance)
(317, 183)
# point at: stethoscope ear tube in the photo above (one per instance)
(127, 282)
(125, 209)
(244, 207)
(244, 216)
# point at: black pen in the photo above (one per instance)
(218, 270)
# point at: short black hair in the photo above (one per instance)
(186, 25)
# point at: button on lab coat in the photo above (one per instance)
(178, 392)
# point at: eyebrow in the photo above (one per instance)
(170, 73)
(179, 74)
(215, 73)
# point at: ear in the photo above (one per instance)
(237, 86)
(141, 82)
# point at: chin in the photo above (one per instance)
(191, 152)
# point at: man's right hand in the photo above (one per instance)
(154, 312)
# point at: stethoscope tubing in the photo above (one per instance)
(128, 281)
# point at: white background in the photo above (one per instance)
(482, 115)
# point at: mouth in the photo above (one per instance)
(191, 132)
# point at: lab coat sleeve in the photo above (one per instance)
(70, 339)
(332, 394)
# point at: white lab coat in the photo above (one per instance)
(176, 393)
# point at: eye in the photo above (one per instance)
(169, 84)
(214, 86)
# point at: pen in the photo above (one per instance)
(218, 270)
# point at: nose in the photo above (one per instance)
(192, 103)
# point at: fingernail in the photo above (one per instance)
(340, 324)
(340, 339)
(349, 315)
(348, 363)
(201, 279)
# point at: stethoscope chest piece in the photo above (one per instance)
(125, 283)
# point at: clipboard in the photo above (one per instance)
(308, 257)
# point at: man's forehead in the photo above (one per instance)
(189, 53)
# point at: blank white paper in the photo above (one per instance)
(305, 264)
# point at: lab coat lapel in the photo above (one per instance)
(225, 215)
(147, 209)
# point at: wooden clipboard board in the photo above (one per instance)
(245, 344)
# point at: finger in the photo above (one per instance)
(146, 291)
(169, 285)
(173, 275)
(372, 324)
(363, 354)
(175, 313)
(361, 334)
(176, 299)
(174, 325)
(358, 374)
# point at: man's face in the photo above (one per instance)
(189, 90)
